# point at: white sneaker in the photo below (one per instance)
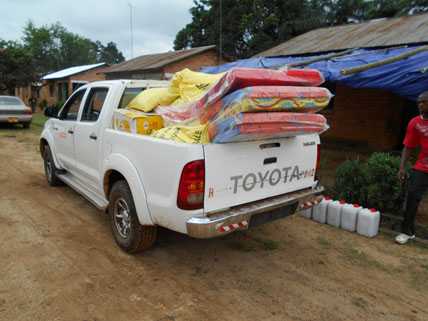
(404, 238)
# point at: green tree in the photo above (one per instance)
(53, 48)
(251, 26)
(109, 53)
(248, 26)
(16, 66)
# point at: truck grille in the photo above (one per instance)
(12, 112)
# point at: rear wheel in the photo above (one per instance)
(129, 234)
(50, 169)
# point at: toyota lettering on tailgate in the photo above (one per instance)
(270, 177)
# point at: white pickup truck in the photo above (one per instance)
(143, 182)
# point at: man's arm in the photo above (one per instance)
(404, 158)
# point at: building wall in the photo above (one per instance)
(366, 117)
(49, 90)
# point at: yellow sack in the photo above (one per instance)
(137, 122)
(184, 134)
(150, 98)
(189, 85)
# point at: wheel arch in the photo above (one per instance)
(117, 167)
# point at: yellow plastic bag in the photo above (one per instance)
(184, 134)
(150, 98)
(189, 85)
(133, 121)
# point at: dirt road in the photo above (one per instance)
(59, 262)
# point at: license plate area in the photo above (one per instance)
(272, 215)
(12, 119)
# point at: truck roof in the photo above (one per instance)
(134, 82)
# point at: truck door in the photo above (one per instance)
(88, 138)
(63, 129)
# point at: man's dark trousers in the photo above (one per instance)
(418, 185)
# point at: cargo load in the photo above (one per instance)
(268, 99)
(133, 121)
(234, 80)
(256, 126)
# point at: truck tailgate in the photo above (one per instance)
(239, 173)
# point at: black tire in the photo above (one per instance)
(26, 125)
(50, 169)
(129, 234)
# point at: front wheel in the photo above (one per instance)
(50, 169)
(129, 234)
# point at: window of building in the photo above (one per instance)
(51, 90)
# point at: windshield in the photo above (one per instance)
(10, 101)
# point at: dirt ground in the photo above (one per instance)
(59, 262)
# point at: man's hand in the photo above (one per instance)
(402, 175)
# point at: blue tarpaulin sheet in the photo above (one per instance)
(407, 77)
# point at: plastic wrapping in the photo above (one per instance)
(236, 79)
(188, 85)
(197, 134)
(269, 98)
(151, 98)
(133, 121)
(257, 126)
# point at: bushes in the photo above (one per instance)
(351, 181)
(373, 183)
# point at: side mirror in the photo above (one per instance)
(51, 112)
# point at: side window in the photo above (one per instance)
(128, 95)
(94, 103)
(71, 108)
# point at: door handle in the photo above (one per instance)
(93, 136)
(70, 131)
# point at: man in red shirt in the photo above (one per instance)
(416, 136)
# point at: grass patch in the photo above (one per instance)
(268, 245)
(356, 256)
(360, 303)
(325, 244)
(242, 246)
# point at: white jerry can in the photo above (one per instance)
(319, 212)
(368, 222)
(349, 217)
(307, 213)
(334, 213)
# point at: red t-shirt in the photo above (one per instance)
(417, 135)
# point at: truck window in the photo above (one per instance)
(128, 95)
(94, 103)
(71, 108)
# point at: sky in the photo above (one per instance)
(155, 22)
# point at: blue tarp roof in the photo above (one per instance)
(407, 77)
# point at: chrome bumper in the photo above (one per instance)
(239, 218)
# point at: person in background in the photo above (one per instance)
(32, 102)
(416, 136)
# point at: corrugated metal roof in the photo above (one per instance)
(373, 33)
(155, 61)
(71, 71)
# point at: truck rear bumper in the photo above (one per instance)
(245, 216)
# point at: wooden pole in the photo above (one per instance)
(355, 70)
(310, 61)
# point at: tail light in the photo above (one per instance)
(28, 111)
(192, 186)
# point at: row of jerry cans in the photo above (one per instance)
(350, 217)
